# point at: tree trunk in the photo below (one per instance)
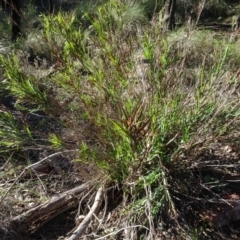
(4, 5)
(169, 13)
(50, 6)
(16, 19)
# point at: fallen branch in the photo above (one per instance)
(93, 211)
(53, 207)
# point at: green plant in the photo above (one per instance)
(13, 134)
(129, 99)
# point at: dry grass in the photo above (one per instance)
(153, 115)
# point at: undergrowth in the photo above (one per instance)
(137, 99)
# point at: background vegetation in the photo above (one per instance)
(152, 114)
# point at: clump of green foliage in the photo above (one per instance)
(136, 98)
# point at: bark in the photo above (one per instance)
(15, 7)
(93, 211)
(169, 15)
(50, 6)
(50, 209)
(16, 19)
(5, 5)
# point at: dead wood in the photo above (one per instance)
(43, 213)
(93, 211)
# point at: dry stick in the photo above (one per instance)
(121, 229)
(5, 164)
(200, 9)
(57, 202)
(43, 187)
(5, 195)
(93, 211)
(80, 203)
(149, 210)
(30, 166)
(48, 157)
